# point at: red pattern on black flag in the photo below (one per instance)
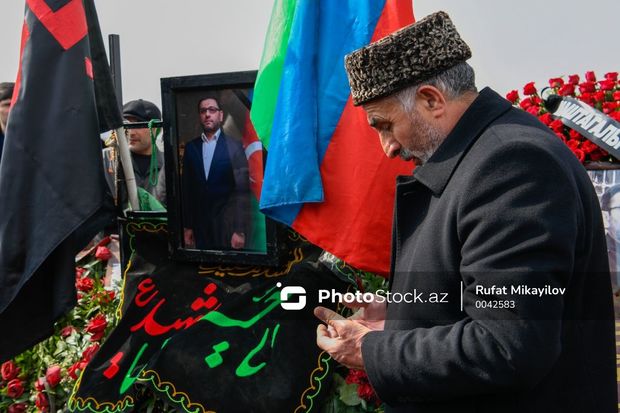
(51, 179)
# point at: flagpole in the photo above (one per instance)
(130, 178)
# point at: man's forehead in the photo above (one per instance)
(208, 102)
(379, 108)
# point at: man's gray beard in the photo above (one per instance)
(432, 138)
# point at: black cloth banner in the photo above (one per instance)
(211, 338)
(52, 189)
(591, 123)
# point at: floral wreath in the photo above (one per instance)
(603, 95)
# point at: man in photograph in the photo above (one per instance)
(500, 224)
(610, 205)
(215, 185)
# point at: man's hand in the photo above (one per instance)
(188, 238)
(371, 315)
(237, 241)
(341, 338)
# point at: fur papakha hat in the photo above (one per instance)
(406, 57)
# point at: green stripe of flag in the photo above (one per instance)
(267, 84)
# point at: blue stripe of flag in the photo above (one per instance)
(313, 92)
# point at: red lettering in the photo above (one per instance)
(144, 288)
(111, 371)
(154, 328)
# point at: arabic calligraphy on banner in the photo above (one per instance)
(209, 339)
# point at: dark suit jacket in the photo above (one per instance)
(217, 207)
(502, 202)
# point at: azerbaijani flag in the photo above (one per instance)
(326, 175)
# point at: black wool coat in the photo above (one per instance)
(503, 203)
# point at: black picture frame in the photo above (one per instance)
(181, 125)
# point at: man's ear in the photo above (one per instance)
(431, 100)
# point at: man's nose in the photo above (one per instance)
(390, 147)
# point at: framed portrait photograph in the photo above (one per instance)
(606, 182)
(214, 169)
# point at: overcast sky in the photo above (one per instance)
(513, 42)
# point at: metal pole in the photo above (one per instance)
(123, 147)
(114, 42)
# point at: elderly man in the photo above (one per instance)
(6, 92)
(498, 239)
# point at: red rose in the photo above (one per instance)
(526, 103)
(96, 326)
(561, 136)
(67, 331)
(609, 107)
(365, 391)
(616, 95)
(103, 253)
(587, 87)
(529, 89)
(557, 125)
(512, 96)
(9, 370)
(573, 79)
(90, 352)
(587, 98)
(356, 376)
(579, 154)
(573, 144)
(533, 110)
(598, 97)
(573, 134)
(17, 408)
(75, 369)
(15, 388)
(546, 118)
(588, 147)
(590, 76)
(615, 115)
(556, 82)
(567, 90)
(85, 284)
(52, 375)
(607, 84)
(613, 76)
(72, 371)
(79, 272)
(39, 385)
(41, 402)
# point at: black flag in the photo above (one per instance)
(52, 189)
